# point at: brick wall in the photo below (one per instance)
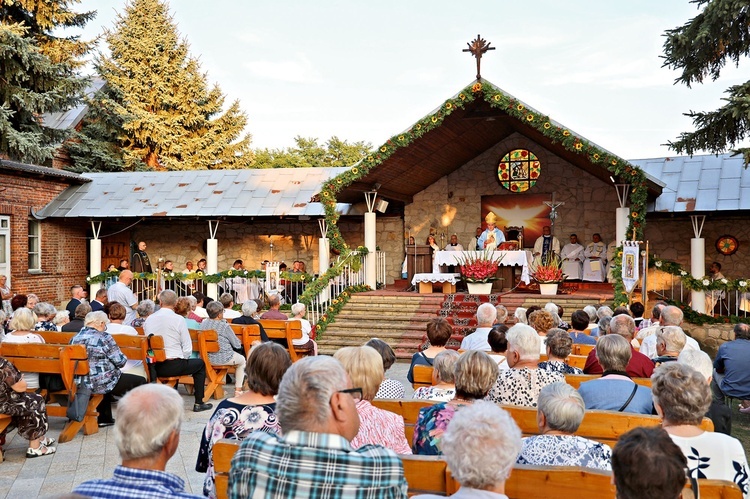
(64, 251)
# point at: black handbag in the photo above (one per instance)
(78, 403)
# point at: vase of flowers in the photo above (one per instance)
(548, 273)
(478, 270)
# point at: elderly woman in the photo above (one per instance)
(481, 445)
(389, 388)
(475, 372)
(681, 398)
(45, 313)
(438, 333)
(182, 308)
(615, 391)
(21, 326)
(105, 361)
(559, 346)
(116, 315)
(542, 321)
(305, 344)
(248, 317)
(5, 295)
(27, 411)
(254, 410)
(144, 309)
(520, 315)
(365, 368)
(62, 317)
(559, 414)
(443, 386)
(228, 342)
(521, 384)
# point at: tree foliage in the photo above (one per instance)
(39, 73)
(156, 110)
(700, 49)
(308, 153)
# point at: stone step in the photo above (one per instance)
(361, 315)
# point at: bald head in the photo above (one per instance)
(671, 316)
(622, 325)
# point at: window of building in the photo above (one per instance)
(35, 246)
(519, 170)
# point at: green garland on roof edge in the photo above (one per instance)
(209, 278)
(578, 145)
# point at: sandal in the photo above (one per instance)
(42, 450)
(48, 441)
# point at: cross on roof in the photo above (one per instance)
(477, 48)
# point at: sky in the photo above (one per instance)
(368, 70)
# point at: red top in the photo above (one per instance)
(639, 366)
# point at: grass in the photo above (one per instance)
(741, 427)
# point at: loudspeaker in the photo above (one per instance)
(381, 205)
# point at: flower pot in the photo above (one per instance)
(548, 289)
(479, 288)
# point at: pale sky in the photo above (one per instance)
(368, 70)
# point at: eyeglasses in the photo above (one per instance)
(356, 393)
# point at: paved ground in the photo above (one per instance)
(95, 456)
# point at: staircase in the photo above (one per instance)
(400, 319)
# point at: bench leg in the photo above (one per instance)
(89, 424)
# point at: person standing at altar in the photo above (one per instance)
(141, 263)
(714, 297)
(594, 266)
(492, 236)
(434, 248)
(572, 259)
(546, 245)
(454, 245)
(474, 244)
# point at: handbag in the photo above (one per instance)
(78, 403)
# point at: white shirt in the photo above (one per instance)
(123, 295)
(113, 328)
(572, 251)
(477, 340)
(648, 346)
(173, 328)
(457, 247)
(231, 314)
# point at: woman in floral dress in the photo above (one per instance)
(443, 386)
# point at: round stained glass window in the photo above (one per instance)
(519, 170)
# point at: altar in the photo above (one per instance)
(509, 259)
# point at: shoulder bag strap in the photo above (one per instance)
(426, 358)
(627, 402)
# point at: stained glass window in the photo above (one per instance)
(519, 170)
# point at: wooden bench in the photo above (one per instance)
(602, 426)
(247, 334)
(584, 350)
(575, 380)
(422, 376)
(205, 342)
(4, 422)
(66, 360)
(578, 361)
(284, 330)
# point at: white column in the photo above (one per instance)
(622, 216)
(371, 261)
(698, 270)
(324, 252)
(212, 258)
(95, 258)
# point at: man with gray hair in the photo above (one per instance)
(147, 433)
(227, 301)
(639, 366)
(486, 315)
(316, 408)
(669, 343)
(670, 316)
(248, 311)
(120, 292)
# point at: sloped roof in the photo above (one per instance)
(41, 171)
(68, 120)
(702, 183)
(196, 193)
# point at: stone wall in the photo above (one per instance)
(710, 336)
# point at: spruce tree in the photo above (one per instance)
(39, 73)
(156, 110)
(309, 153)
(720, 33)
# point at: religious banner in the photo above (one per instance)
(272, 278)
(527, 211)
(630, 265)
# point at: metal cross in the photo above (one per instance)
(553, 213)
(477, 48)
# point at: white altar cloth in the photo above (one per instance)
(435, 277)
(510, 258)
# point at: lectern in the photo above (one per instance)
(418, 260)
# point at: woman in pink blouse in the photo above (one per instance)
(377, 426)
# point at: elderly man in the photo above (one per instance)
(77, 294)
(670, 316)
(651, 326)
(732, 368)
(76, 323)
(594, 265)
(120, 292)
(227, 301)
(178, 346)
(486, 315)
(669, 343)
(639, 366)
(100, 300)
(474, 243)
(147, 433)
(546, 245)
(480, 445)
(273, 313)
(492, 236)
(572, 259)
(316, 409)
(141, 262)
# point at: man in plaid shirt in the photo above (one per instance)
(313, 458)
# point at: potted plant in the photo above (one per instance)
(478, 270)
(548, 273)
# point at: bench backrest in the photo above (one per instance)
(222, 452)
(579, 349)
(284, 330)
(65, 360)
(575, 380)
(247, 334)
(422, 376)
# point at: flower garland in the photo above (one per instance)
(335, 307)
(209, 278)
(350, 258)
(699, 283)
(618, 167)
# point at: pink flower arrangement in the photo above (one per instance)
(479, 268)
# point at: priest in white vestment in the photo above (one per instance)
(492, 236)
(474, 243)
(546, 245)
(572, 259)
(454, 245)
(595, 264)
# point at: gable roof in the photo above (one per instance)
(28, 170)
(195, 193)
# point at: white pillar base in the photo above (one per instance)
(698, 270)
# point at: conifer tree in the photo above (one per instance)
(309, 153)
(39, 73)
(720, 33)
(156, 110)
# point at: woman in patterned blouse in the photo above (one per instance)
(559, 346)
(389, 388)
(559, 414)
(443, 386)
(253, 410)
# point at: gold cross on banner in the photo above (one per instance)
(477, 48)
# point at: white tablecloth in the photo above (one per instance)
(435, 277)
(510, 258)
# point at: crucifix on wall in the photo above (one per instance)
(478, 47)
(554, 205)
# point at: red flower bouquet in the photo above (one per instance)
(479, 267)
(548, 270)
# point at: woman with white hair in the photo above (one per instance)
(521, 384)
(144, 309)
(559, 414)
(248, 317)
(718, 412)
(305, 343)
(44, 312)
(229, 345)
(681, 398)
(443, 386)
(21, 326)
(520, 315)
(480, 446)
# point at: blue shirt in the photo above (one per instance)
(134, 483)
(733, 362)
(105, 359)
(582, 338)
(611, 394)
(304, 464)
